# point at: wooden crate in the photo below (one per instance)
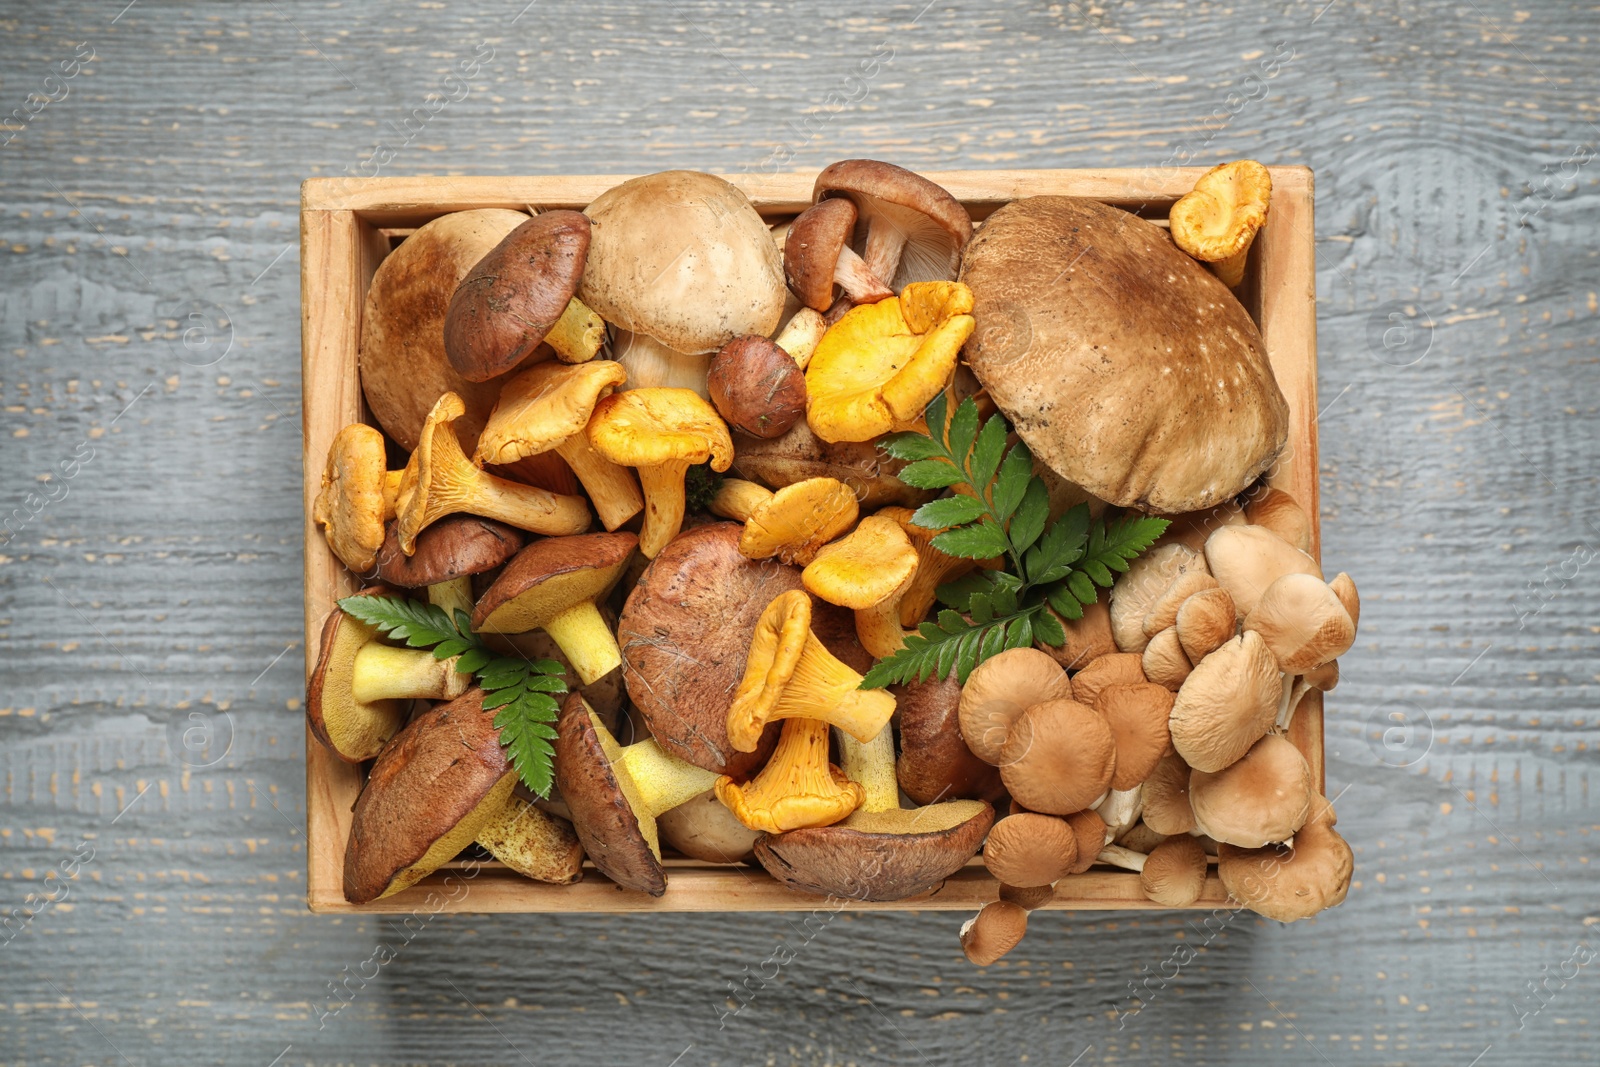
(347, 226)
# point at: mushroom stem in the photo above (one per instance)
(878, 628)
(663, 504)
(527, 507)
(577, 334)
(1231, 270)
(452, 595)
(586, 641)
(871, 766)
(1125, 858)
(651, 364)
(383, 672)
(660, 782)
(885, 242)
(611, 488)
(797, 788)
(738, 499)
(391, 491)
(1294, 687)
(825, 688)
(802, 335)
(857, 279)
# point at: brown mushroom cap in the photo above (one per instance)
(1137, 715)
(353, 730)
(1028, 850)
(1174, 872)
(932, 224)
(757, 387)
(1119, 668)
(601, 813)
(935, 763)
(1088, 638)
(453, 547)
(999, 690)
(1226, 704)
(1126, 367)
(993, 932)
(704, 829)
(1282, 514)
(817, 257)
(404, 368)
(1287, 884)
(1300, 618)
(1090, 830)
(1164, 660)
(1058, 758)
(801, 454)
(1166, 797)
(1262, 798)
(1246, 559)
(431, 790)
(1164, 610)
(550, 576)
(1205, 623)
(1029, 898)
(505, 306)
(879, 855)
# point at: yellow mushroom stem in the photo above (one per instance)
(1231, 270)
(577, 334)
(878, 628)
(391, 491)
(658, 781)
(586, 641)
(383, 672)
(821, 688)
(738, 499)
(663, 504)
(871, 766)
(611, 488)
(452, 595)
(797, 788)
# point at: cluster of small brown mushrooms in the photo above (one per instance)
(535, 375)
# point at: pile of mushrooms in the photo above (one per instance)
(643, 440)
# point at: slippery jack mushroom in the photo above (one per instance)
(935, 763)
(1291, 882)
(789, 674)
(546, 408)
(1217, 221)
(881, 364)
(616, 793)
(792, 523)
(757, 386)
(524, 292)
(661, 433)
(357, 697)
(552, 585)
(439, 480)
(357, 497)
(867, 571)
(916, 230)
(881, 851)
(447, 555)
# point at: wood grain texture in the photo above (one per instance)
(150, 222)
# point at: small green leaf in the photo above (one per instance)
(978, 541)
(1099, 572)
(503, 697)
(1020, 633)
(930, 474)
(951, 622)
(543, 683)
(935, 415)
(1048, 629)
(453, 647)
(1015, 473)
(956, 594)
(981, 608)
(1031, 515)
(474, 660)
(930, 632)
(963, 428)
(1004, 599)
(989, 450)
(1083, 588)
(967, 654)
(947, 657)
(993, 643)
(955, 510)
(1065, 603)
(912, 446)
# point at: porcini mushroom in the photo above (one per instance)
(1058, 758)
(546, 408)
(431, 791)
(522, 293)
(817, 258)
(757, 386)
(616, 793)
(439, 480)
(1226, 704)
(446, 556)
(552, 585)
(1217, 220)
(935, 763)
(1285, 882)
(533, 843)
(792, 523)
(999, 690)
(652, 365)
(704, 829)
(801, 335)
(661, 433)
(867, 572)
(791, 674)
(916, 230)
(1262, 798)
(685, 258)
(353, 505)
(881, 364)
(357, 696)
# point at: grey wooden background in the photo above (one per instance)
(150, 716)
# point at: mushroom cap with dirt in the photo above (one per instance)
(683, 257)
(757, 387)
(1124, 365)
(915, 230)
(1288, 883)
(431, 791)
(404, 367)
(616, 793)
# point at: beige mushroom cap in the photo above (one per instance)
(1246, 559)
(1145, 582)
(1302, 621)
(1164, 660)
(1166, 797)
(1137, 715)
(999, 690)
(1164, 610)
(1285, 883)
(1058, 758)
(1262, 798)
(1174, 873)
(1282, 514)
(684, 257)
(1205, 622)
(1029, 850)
(1227, 703)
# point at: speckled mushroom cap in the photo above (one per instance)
(601, 813)
(454, 547)
(1126, 367)
(683, 257)
(434, 786)
(1263, 797)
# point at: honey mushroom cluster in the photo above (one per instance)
(713, 393)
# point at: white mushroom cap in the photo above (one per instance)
(684, 257)
(1246, 559)
(1144, 583)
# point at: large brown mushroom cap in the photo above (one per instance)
(404, 368)
(880, 855)
(1137, 715)
(1127, 368)
(915, 230)
(935, 763)
(516, 293)
(454, 547)
(601, 812)
(1028, 850)
(1286, 883)
(548, 577)
(432, 789)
